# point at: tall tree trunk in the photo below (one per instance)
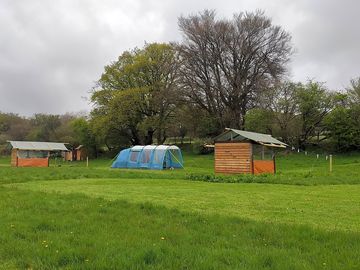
(149, 137)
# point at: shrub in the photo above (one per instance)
(239, 178)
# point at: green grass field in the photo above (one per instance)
(72, 217)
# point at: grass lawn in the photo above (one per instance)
(73, 217)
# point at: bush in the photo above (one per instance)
(239, 178)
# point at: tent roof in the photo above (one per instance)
(44, 146)
(150, 147)
(241, 135)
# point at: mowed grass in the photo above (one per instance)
(293, 169)
(329, 207)
(73, 217)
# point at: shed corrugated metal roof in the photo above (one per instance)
(239, 135)
(45, 146)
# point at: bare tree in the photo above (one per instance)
(228, 64)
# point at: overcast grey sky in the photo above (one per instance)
(51, 52)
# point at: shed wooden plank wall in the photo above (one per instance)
(80, 154)
(233, 158)
(69, 156)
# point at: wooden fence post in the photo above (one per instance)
(330, 163)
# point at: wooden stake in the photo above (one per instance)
(330, 163)
(87, 161)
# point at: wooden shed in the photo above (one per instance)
(70, 155)
(80, 153)
(238, 151)
(76, 154)
(33, 154)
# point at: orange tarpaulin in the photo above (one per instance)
(264, 166)
(33, 162)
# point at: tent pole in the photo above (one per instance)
(176, 159)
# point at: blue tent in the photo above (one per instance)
(149, 157)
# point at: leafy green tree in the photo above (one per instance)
(84, 135)
(284, 107)
(44, 125)
(314, 103)
(13, 127)
(343, 125)
(259, 120)
(137, 95)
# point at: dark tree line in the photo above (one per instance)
(67, 128)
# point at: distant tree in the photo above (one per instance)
(64, 132)
(43, 126)
(194, 121)
(13, 127)
(283, 103)
(314, 103)
(259, 120)
(84, 135)
(136, 95)
(226, 65)
(343, 125)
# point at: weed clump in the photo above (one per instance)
(240, 178)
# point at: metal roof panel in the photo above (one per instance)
(45, 146)
(236, 135)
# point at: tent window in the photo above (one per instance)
(158, 156)
(134, 156)
(175, 155)
(145, 158)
